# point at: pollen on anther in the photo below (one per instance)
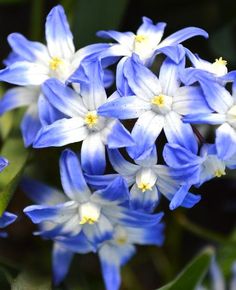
(219, 173)
(140, 38)
(55, 62)
(91, 119)
(158, 100)
(144, 186)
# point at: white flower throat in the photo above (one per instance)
(162, 104)
(89, 213)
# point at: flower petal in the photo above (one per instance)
(58, 34)
(64, 98)
(61, 132)
(72, 178)
(61, 260)
(180, 133)
(93, 158)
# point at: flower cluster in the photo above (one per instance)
(66, 93)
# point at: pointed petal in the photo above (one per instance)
(180, 133)
(58, 34)
(124, 108)
(175, 53)
(61, 132)
(116, 192)
(30, 125)
(183, 35)
(120, 164)
(190, 99)
(72, 178)
(142, 81)
(61, 260)
(217, 97)
(119, 136)
(169, 77)
(100, 181)
(90, 77)
(212, 118)
(27, 50)
(225, 134)
(147, 236)
(24, 73)
(145, 132)
(93, 158)
(64, 98)
(3, 163)
(57, 213)
(6, 219)
(146, 201)
(18, 97)
(40, 193)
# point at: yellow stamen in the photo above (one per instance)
(140, 38)
(87, 220)
(91, 119)
(219, 173)
(121, 240)
(144, 186)
(158, 100)
(220, 61)
(55, 62)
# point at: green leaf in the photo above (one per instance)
(14, 150)
(193, 273)
(90, 16)
(30, 281)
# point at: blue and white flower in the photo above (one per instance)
(32, 63)
(148, 181)
(146, 43)
(83, 122)
(216, 71)
(116, 252)
(223, 104)
(93, 214)
(158, 103)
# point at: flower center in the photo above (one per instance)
(219, 66)
(89, 213)
(219, 173)
(91, 119)
(139, 38)
(120, 236)
(55, 62)
(144, 186)
(158, 100)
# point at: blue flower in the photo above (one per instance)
(32, 63)
(146, 43)
(93, 214)
(148, 180)
(158, 103)
(223, 104)
(117, 252)
(83, 122)
(6, 219)
(216, 71)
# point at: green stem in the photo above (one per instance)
(202, 232)
(36, 19)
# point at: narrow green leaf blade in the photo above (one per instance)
(14, 150)
(193, 273)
